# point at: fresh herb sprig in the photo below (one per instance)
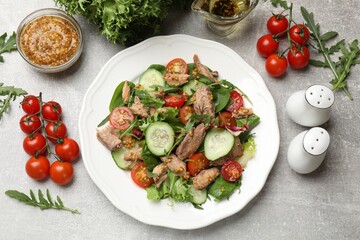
(8, 94)
(348, 56)
(7, 45)
(42, 203)
(347, 53)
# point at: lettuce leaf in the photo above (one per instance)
(124, 21)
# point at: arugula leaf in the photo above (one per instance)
(42, 203)
(281, 3)
(9, 94)
(7, 46)
(148, 100)
(348, 55)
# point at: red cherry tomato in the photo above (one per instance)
(61, 172)
(174, 100)
(298, 57)
(30, 124)
(299, 34)
(38, 168)
(55, 130)
(226, 119)
(231, 171)
(236, 101)
(35, 145)
(51, 111)
(267, 45)
(121, 118)
(197, 163)
(277, 24)
(139, 175)
(276, 66)
(31, 104)
(177, 65)
(68, 150)
(185, 113)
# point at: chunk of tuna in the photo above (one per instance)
(205, 177)
(203, 103)
(126, 92)
(138, 108)
(203, 70)
(176, 165)
(176, 79)
(161, 172)
(108, 136)
(191, 142)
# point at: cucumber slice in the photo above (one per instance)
(118, 156)
(192, 86)
(198, 196)
(150, 78)
(218, 142)
(159, 137)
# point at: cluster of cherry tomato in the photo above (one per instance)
(42, 124)
(298, 55)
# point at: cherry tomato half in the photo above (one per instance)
(299, 34)
(139, 175)
(38, 168)
(61, 172)
(185, 113)
(298, 57)
(55, 130)
(68, 150)
(267, 45)
(236, 101)
(31, 104)
(174, 100)
(197, 163)
(34, 145)
(226, 119)
(231, 171)
(51, 111)
(121, 118)
(276, 66)
(177, 65)
(277, 24)
(30, 124)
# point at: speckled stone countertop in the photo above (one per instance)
(322, 205)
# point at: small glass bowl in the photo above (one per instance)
(220, 25)
(50, 12)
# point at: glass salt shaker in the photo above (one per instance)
(311, 107)
(308, 149)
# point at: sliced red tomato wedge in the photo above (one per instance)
(177, 65)
(236, 101)
(226, 119)
(197, 163)
(139, 175)
(175, 100)
(185, 113)
(231, 171)
(121, 118)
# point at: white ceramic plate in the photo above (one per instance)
(117, 185)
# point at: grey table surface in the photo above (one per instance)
(322, 205)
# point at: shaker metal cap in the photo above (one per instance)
(316, 141)
(320, 96)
